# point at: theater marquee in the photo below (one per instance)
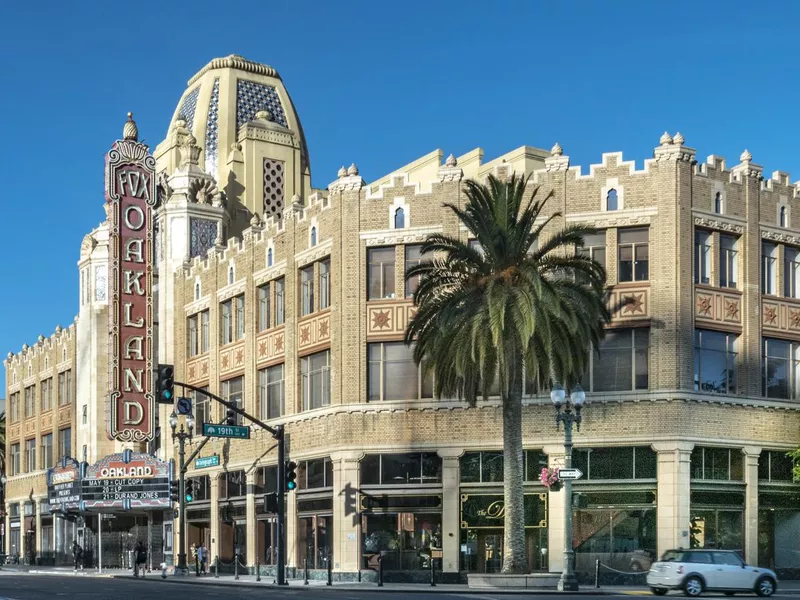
(131, 196)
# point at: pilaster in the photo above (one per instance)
(751, 455)
(451, 521)
(38, 520)
(214, 548)
(674, 474)
(555, 514)
(346, 514)
(252, 529)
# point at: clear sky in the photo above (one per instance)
(376, 83)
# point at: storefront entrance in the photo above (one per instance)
(482, 550)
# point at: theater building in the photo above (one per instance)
(291, 301)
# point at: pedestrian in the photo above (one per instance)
(202, 557)
(140, 558)
(77, 555)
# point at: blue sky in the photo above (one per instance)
(378, 83)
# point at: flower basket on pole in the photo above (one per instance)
(549, 479)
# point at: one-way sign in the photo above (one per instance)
(569, 474)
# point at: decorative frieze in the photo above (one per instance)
(717, 306)
(197, 369)
(719, 224)
(65, 415)
(231, 358)
(30, 427)
(388, 318)
(779, 236)
(314, 331)
(392, 237)
(780, 315)
(271, 345)
(633, 303)
(621, 218)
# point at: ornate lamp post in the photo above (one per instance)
(182, 435)
(568, 412)
(3, 512)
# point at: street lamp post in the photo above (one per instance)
(182, 435)
(3, 512)
(568, 412)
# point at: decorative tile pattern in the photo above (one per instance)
(637, 303)
(188, 107)
(100, 283)
(212, 131)
(274, 176)
(271, 345)
(252, 97)
(64, 414)
(388, 318)
(202, 234)
(777, 315)
(314, 330)
(197, 369)
(231, 358)
(717, 305)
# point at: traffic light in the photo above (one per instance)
(189, 495)
(291, 475)
(231, 419)
(271, 503)
(174, 490)
(165, 384)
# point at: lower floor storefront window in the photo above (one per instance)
(14, 538)
(717, 520)
(779, 531)
(402, 540)
(315, 540)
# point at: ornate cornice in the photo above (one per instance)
(622, 218)
(234, 61)
(399, 236)
(779, 236)
(314, 253)
(719, 224)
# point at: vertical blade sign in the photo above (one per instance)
(131, 196)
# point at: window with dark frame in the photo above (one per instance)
(715, 361)
(622, 363)
(634, 254)
(380, 273)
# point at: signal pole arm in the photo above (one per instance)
(193, 455)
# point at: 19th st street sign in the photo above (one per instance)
(226, 431)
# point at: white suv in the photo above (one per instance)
(698, 571)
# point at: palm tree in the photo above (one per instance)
(516, 303)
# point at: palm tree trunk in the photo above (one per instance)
(514, 557)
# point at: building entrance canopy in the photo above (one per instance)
(127, 481)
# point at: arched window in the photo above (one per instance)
(313, 236)
(718, 203)
(782, 218)
(399, 218)
(269, 257)
(230, 274)
(197, 291)
(612, 202)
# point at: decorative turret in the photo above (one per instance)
(130, 131)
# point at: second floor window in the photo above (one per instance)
(193, 334)
(324, 283)
(201, 407)
(728, 261)
(47, 451)
(65, 442)
(307, 291)
(29, 402)
(594, 247)
(791, 272)
(233, 392)
(232, 320)
(264, 306)
(280, 304)
(414, 257)
(634, 254)
(393, 375)
(769, 256)
(13, 402)
(315, 380)
(271, 391)
(65, 388)
(30, 456)
(14, 460)
(714, 361)
(47, 394)
(780, 368)
(702, 257)
(380, 273)
(622, 363)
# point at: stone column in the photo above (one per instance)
(751, 455)
(451, 509)
(555, 514)
(38, 520)
(346, 512)
(7, 529)
(291, 530)
(252, 529)
(214, 548)
(674, 512)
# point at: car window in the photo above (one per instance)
(698, 557)
(672, 556)
(727, 558)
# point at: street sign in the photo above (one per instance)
(226, 431)
(569, 474)
(206, 461)
(183, 406)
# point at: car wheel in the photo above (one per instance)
(765, 587)
(693, 587)
(658, 591)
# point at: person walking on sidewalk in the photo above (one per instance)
(202, 557)
(140, 558)
(77, 555)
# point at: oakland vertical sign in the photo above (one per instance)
(131, 196)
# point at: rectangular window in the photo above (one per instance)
(263, 307)
(769, 256)
(780, 368)
(307, 291)
(622, 363)
(776, 465)
(702, 257)
(65, 388)
(634, 254)
(29, 402)
(594, 247)
(324, 283)
(393, 375)
(30, 456)
(637, 462)
(714, 362)
(315, 379)
(791, 272)
(380, 272)
(65, 442)
(47, 394)
(399, 469)
(85, 414)
(717, 464)
(414, 257)
(14, 464)
(192, 333)
(204, 329)
(14, 407)
(47, 451)
(233, 392)
(280, 306)
(239, 317)
(201, 407)
(271, 388)
(227, 322)
(728, 261)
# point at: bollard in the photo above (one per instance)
(305, 571)
(196, 565)
(236, 567)
(330, 571)
(380, 570)
(597, 573)
(163, 570)
(433, 573)
(216, 568)
(258, 569)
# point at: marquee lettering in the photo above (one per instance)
(133, 250)
(133, 376)
(134, 278)
(134, 183)
(129, 322)
(133, 347)
(131, 409)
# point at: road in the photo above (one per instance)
(36, 587)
